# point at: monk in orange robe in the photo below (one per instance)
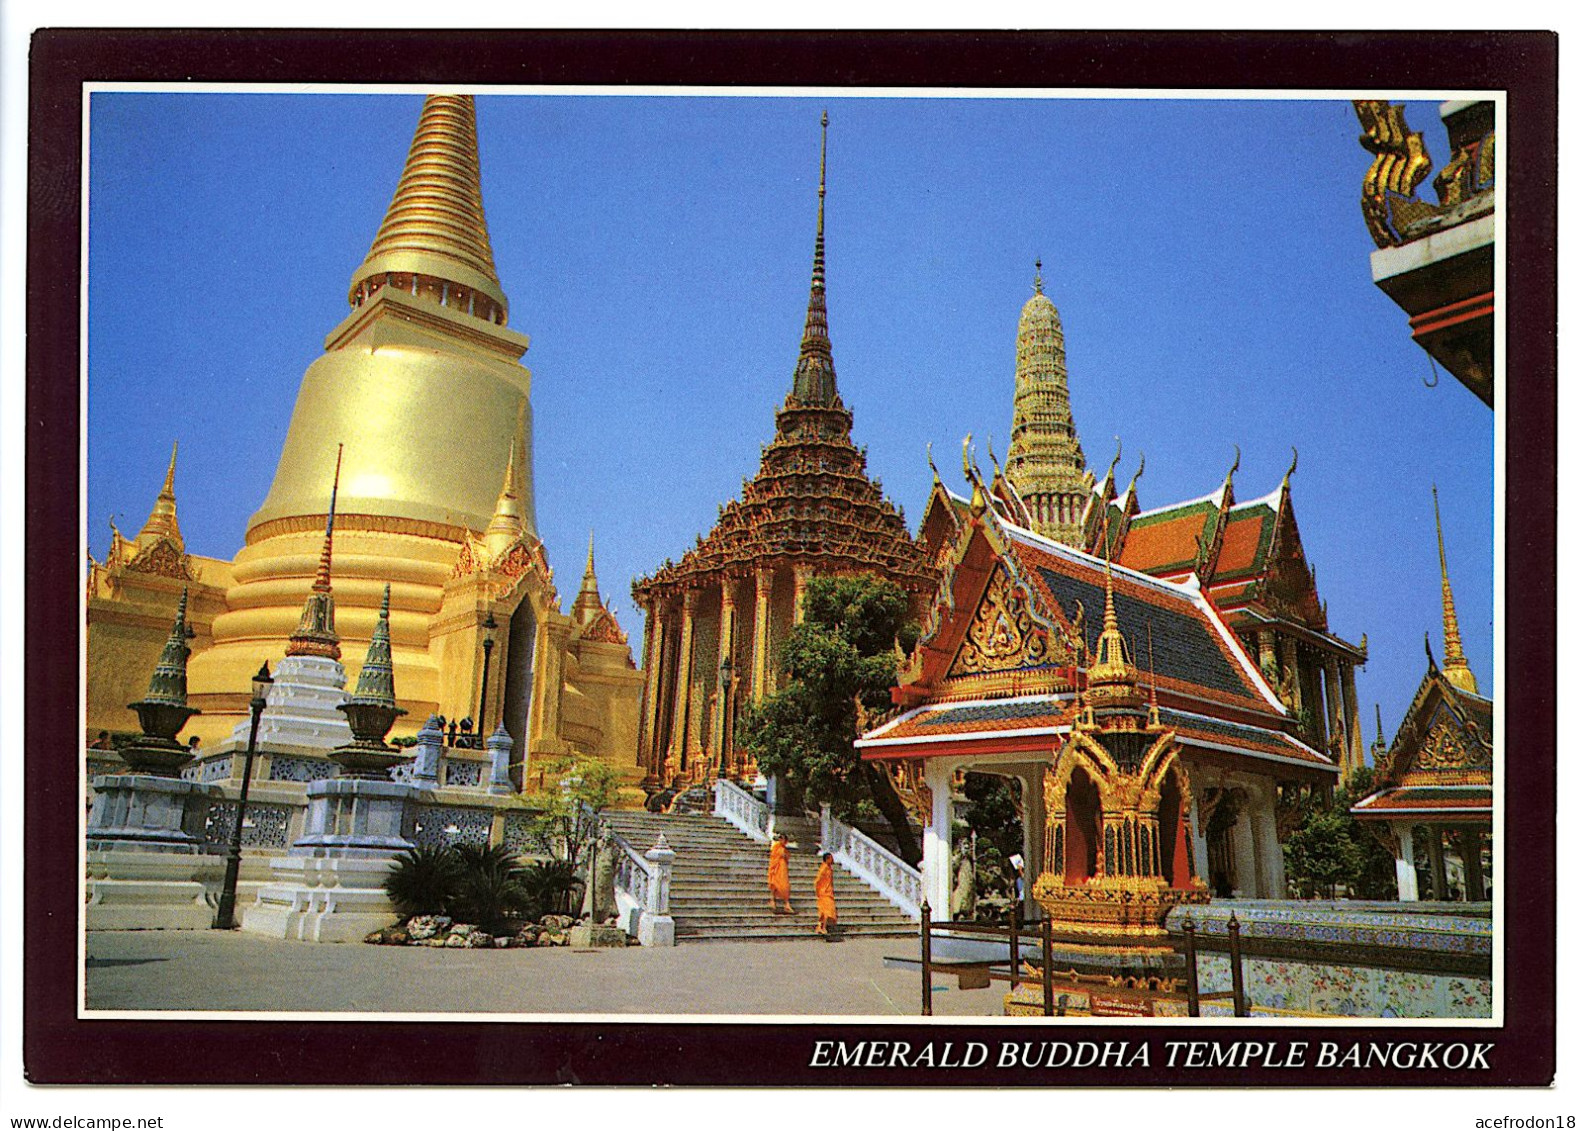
(825, 896)
(776, 877)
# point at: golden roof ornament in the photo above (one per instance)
(316, 630)
(815, 378)
(1455, 667)
(163, 712)
(162, 519)
(435, 226)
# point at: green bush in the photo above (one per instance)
(550, 885)
(424, 881)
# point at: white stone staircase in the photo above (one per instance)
(719, 887)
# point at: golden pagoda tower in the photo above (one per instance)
(1046, 465)
(1455, 668)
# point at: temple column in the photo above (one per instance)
(1267, 653)
(762, 633)
(1404, 862)
(1357, 752)
(685, 679)
(1247, 866)
(936, 864)
(1290, 673)
(649, 706)
(1434, 851)
(1264, 816)
(1470, 853)
(729, 628)
(801, 579)
(1033, 781)
(1198, 817)
(1337, 719)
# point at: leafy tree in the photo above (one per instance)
(1331, 850)
(567, 809)
(842, 663)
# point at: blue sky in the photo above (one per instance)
(1208, 259)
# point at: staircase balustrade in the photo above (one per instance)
(743, 811)
(897, 882)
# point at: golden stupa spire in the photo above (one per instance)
(1455, 668)
(510, 521)
(162, 519)
(588, 600)
(434, 232)
(316, 629)
(815, 378)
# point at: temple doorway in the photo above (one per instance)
(518, 686)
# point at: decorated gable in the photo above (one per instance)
(1004, 634)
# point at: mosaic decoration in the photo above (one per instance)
(463, 773)
(515, 833)
(266, 826)
(301, 769)
(439, 826)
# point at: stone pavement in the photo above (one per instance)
(230, 971)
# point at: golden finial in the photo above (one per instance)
(1139, 471)
(936, 476)
(1228, 480)
(1455, 668)
(162, 518)
(1294, 465)
(435, 225)
(1150, 652)
(322, 578)
(1038, 283)
(1117, 455)
(589, 562)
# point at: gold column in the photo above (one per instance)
(685, 678)
(801, 578)
(762, 632)
(1290, 673)
(729, 629)
(649, 736)
(1357, 752)
(1267, 651)
(1335, 712)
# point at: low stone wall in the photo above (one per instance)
(1349, 959)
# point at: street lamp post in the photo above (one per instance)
(726, 712)
(226, 914)
(484, 679)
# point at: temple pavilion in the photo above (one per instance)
(1022, 636)
(1246, 557)
(715, 620)
(419, 411)
(1434, 782)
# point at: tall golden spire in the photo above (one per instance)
(511, 519)
(1112, 680)
(815, 378)
(435, 227)
(1045, 463)
(587, 603)
(1455, 669)
(316, 630)
(162, 519)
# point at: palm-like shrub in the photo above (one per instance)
(424, 881)
(492, 888)
(550, 885)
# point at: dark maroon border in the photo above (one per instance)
(60, 1049)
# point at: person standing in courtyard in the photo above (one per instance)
(825, 896)
(776, 876)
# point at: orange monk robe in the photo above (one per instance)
(825, 896)
(776, 875)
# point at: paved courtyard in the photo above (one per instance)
(230, 971)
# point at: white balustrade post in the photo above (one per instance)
(500, 746)
(427, 754)
(656, 926)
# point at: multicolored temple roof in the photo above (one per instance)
(1002, 662)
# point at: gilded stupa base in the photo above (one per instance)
(1131, 907)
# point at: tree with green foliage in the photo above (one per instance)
(567, 808)
(1331, 849)
(842, 663)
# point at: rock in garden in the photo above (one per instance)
(477, 939)
(434, 940)
(503, 942)
(463, 929)
(546, 939)
(556, 922)
(455, 942)
(427, 926)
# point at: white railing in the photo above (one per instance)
(897, 882)
(632, 874)
(643, 883)
(743, 811)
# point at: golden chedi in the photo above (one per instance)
(422, 391)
